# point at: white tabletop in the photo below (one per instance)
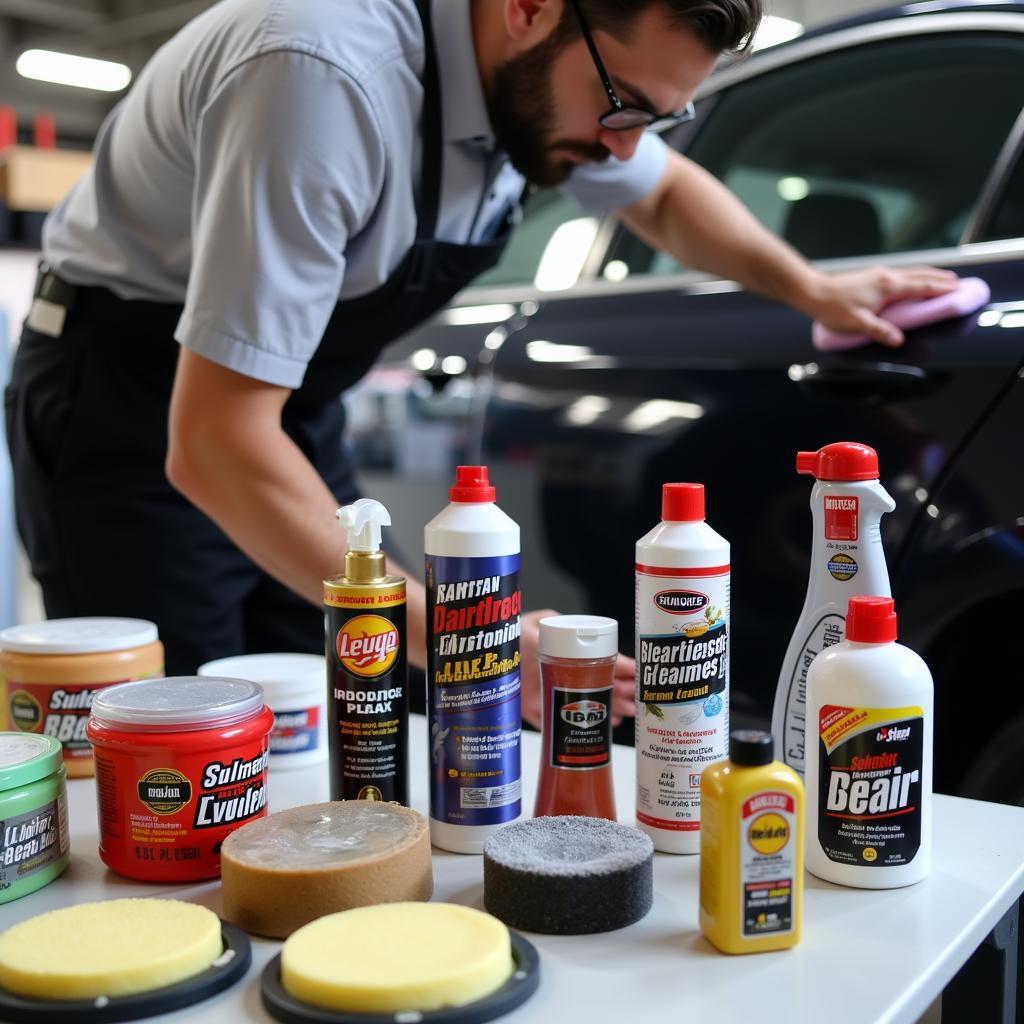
(866, 956)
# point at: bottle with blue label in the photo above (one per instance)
(473, 626)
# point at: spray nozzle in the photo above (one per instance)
(363, 520)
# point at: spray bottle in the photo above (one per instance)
(869, 767)
(367, 676)
(847, 504)
(473, 609)
(682, 666)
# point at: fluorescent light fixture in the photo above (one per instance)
(774, 30)
(794, 189)
(465, 316)
(587, 410)
(453, 365)
(551, 352)
(658, 412)
(495, 339)
(67, 69)
(565, 254)
(423, 359)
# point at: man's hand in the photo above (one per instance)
(623, 694)
(850, 302)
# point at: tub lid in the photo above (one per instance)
(178, 702)
(280, 675)
(26, 757)
(78, 636)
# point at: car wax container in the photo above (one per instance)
(33, 814)
(682, 666)
(473, 609)
(367, 673)
(869, 773)
(847, 504)
(52, 671)
(751, 849)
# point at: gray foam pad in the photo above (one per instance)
(568, 875)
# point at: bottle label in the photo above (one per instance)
(581, 728)
(368, 730)
(870, 784)
(682, 665)
(768, 863)
(473, 609)
(33, 841)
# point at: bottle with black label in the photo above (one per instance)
(869, 774)
(577, 667)
(367, 675)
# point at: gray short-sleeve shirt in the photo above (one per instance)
(265, 163)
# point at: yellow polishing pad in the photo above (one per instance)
(397, 956)
(115, 948)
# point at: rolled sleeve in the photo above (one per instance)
(617, 183)
(289, 163)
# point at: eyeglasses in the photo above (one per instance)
(622, 118)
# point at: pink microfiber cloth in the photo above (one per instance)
(969, 296)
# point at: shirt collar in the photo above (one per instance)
(463, 109)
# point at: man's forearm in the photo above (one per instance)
(703, 225)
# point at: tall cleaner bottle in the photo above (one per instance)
(473, 610)
(869, 774)
(847, 505)
(751, 849)
(682, 666)
(367, 674)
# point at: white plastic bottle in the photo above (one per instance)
(473, 611)
(682, 666)
(847, 504)
(869, 781)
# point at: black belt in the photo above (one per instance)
(52, 300)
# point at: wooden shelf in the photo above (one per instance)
(38, 179)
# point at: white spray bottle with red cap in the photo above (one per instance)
(847, 504)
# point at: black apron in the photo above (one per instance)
(105, 532)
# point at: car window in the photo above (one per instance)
(1008, 219)
(877, 149)
(544, 212)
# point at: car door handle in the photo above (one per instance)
(863, 383)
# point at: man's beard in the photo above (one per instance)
(521, 108)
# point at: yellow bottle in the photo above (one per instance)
(751, 849)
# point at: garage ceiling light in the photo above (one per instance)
(67, 69)
(774, 30)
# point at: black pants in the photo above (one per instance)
(105, 532)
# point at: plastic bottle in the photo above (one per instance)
(869, 783)
(751, 849)
(682, 666)
(367, 675)
(577, 668)
(473, 609)
(847, 504)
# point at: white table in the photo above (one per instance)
(866, 956)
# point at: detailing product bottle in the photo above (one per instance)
(473, 609)
(847, 504)
(751, 849)
(869, 776)
(682, 666)
(367, 677)
(577, 667)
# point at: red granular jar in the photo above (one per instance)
(181, 762)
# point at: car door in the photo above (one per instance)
(874, 144)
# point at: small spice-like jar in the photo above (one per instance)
(52, 671)
(33, 814)
(577, 668)
(181, 763)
